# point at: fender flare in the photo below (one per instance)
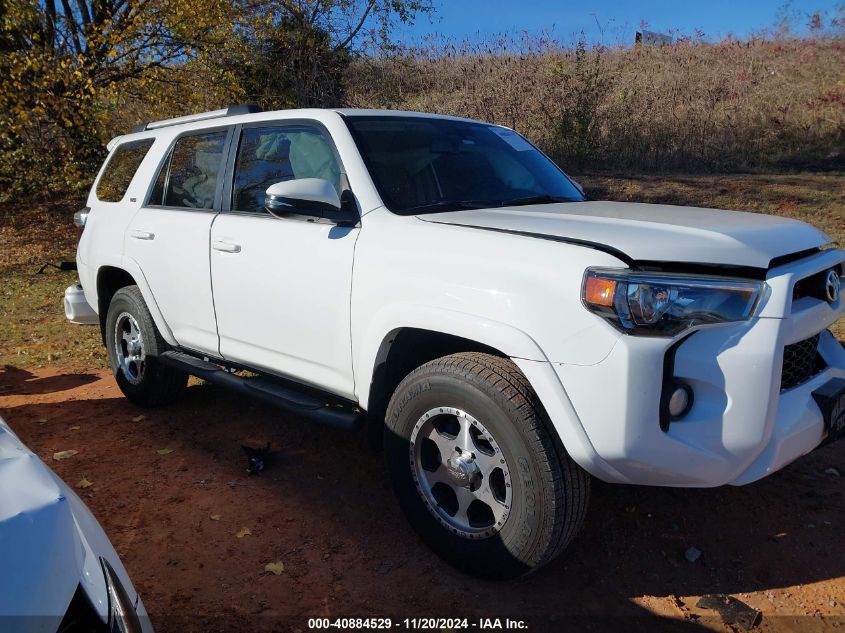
(132, 267)
(383, 327)
(134, 270)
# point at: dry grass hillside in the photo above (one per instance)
(689, 106)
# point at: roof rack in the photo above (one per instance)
(232, 110)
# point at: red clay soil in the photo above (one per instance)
(325, 510)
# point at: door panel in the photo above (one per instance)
(169, 238)
(171, 248)
(282, 295)
(282, 285)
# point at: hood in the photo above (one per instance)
(39, 546)
(637, 232)
(50, 544)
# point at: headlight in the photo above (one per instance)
(122, 615)
(654, 304)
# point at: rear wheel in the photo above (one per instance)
(475, 469)
(134, 344)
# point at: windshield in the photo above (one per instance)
(428, 164)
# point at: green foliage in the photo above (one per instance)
(74, 73)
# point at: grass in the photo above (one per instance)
(33, 329)
(34, 332)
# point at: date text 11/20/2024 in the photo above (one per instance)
(419, 624)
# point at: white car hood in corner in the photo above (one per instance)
(50, 544)
(38, 542)
(653, 232)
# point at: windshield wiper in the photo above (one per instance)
(446, 205)
(540, 199)
(458, 205)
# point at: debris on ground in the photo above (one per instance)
(832, 471)
(84, 483)
(275, 568)
(734, 612)
(692, 554)
(64, 455)
(244, 531)
(257, 458)
(164, 451)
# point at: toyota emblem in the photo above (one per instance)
(832, 286)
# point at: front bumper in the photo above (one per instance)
(742, 425)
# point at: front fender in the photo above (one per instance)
(565, 421)
(510, 341)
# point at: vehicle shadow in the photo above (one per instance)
(14, 380)
(324, 508)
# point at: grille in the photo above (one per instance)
(801, 361)
(813, 286)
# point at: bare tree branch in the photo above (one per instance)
(357, 28)
(83, 12)
(72, 27)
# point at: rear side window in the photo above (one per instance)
(120, 170)
(188, 177)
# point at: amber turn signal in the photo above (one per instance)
(599, 292)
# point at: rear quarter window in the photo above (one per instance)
(120, 169)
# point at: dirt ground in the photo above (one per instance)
(170, 488)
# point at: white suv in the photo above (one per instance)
(444, 283)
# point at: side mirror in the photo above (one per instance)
(304, 196)
(312, 196)
(578, 186)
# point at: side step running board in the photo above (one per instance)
(268, 390)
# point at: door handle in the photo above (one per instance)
(143, 235)
(226, 247)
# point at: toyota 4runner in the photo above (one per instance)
(443, 283)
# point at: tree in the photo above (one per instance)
(62, 61)
(293, 53)
(69, 68)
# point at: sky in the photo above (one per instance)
(607, 21)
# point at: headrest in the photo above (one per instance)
(273, 147)
(208, 162)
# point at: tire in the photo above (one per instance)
(144, 381)
(548, 493)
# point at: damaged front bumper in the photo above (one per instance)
(750, 416)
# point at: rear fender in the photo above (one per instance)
(131, 266)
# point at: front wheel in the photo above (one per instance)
(134, 344)
(476, 470)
